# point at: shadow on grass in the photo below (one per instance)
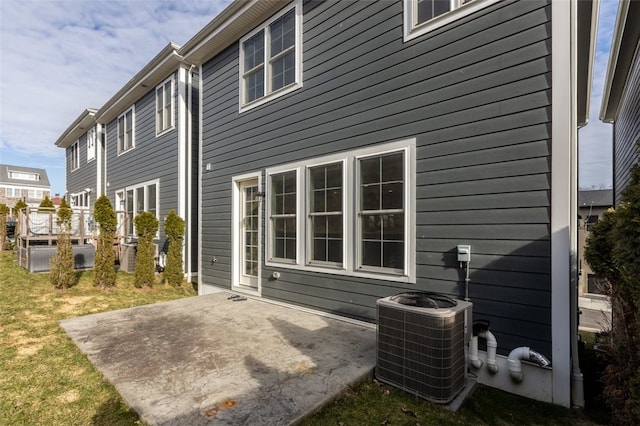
(114, 412)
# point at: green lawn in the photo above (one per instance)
(46, 380)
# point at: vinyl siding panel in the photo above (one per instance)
(476, 96)
(627, 133)
(84, 176)
(151, 158)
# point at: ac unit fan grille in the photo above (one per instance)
(422, 353)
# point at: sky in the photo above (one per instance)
(59, 57)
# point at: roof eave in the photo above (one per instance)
(165, 62)
(79, 127)
(621, 55)
(588, 29)
(240, 17)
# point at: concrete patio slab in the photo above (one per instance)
(210, 360)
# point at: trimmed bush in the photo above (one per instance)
(62, 274)
(612, 252)
(146, 225)
(105, 273)
(46, 203)
(174, 228)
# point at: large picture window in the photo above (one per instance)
(351, 214)
(125, 131)
(271, 58)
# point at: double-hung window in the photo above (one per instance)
(349, 214)
(164, 106)
(91, 144)
(283, 218)
(422, 16)
(271, 58)
(125, 131)
(74, 156)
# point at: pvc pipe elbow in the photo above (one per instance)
(492, 346)
(473, 353)
(515, 365)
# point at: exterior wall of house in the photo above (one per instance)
(85, 176)
(153, 158)
(475, 95)
(626, 132)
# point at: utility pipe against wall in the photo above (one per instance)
(524, 353)
(492, 345)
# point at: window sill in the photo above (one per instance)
(341, 271)
(268, 98)
(165, 131)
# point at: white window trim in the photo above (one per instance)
(92, 138)
(75, 156)
(299, 224)
(134, 188)
(350, 197)
(133, 130)
(297, 5)
(172, 114)
(412, 29)
(236, 241)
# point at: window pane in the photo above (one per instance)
(283, 71)
(371, 253)
(370, 197)
(319, 227)
(393, 255)
(371, 227)
(334, 251)
(393, 167)
(282, 33)
(253, 51)
(130, 210)
(440, 7)
(254, 86)
(429, 9)
(139, 200)
(319, 250)
(370, 170)
(392, 196)
(334, 226)
(151, 199)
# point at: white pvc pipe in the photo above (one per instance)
(492, 345)
(523, 353)
(473, 353)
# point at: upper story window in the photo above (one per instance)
(349, 213)
(164, 106)
(126, 131)
(422, 16)
(23, 175)
(35, 194)
(13, 192)
(271, 58)
(91, 144)
(74, 156)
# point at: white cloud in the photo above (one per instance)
(58, 57)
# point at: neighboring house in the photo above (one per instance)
(83, 141)
(591, 205)
(146, 144)
(621, 96)
(347, 148)
(23, 183)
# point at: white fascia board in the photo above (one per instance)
(79, 127)
(609, 107)
(157, 70)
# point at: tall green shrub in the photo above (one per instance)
(174, 229)
(612, 251)
(105, 273)
(4, 212)
(61, 273)
(146, 225)
(46, 203)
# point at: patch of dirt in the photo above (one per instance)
(69, 397)
(69, 304)
(29, 350)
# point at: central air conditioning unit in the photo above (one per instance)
(421, 344)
